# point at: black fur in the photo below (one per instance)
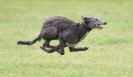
(67, 31)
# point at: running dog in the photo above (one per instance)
(68, 32)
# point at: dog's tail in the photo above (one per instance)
(29, 42)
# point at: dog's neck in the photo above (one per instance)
(85, 26)
(83, 30)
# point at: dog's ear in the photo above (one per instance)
(78, 24)
(84, 18)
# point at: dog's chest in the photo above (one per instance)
(74, 44)
(84, 36)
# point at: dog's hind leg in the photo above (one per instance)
(29, 42)
(61, 46)
(46, 47)
(49, 50)
(73, 49)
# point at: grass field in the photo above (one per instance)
(110, 51)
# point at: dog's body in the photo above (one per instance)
(53, 26)
(50, 30)
(67, 31)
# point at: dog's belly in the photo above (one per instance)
(71, 44)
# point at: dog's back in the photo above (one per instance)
(58, 22)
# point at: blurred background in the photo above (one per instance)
(110, 51)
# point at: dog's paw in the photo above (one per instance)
(86, 48)
(46, 49)
(60, 52)
(42, 48)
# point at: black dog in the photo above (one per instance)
(50, 31)
(67, 31)
(71, 36)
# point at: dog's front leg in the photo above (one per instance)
(73, 49)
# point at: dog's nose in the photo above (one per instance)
(104, 23)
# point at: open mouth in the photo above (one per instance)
(100, 26)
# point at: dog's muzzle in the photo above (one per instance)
(100, 26)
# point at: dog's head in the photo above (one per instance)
(93, 22)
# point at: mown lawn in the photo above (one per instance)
(110, 51)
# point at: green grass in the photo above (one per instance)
(110, 51)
